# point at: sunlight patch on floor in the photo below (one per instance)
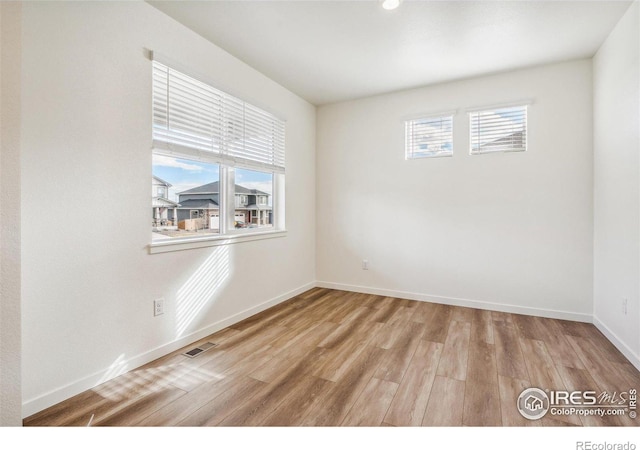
(141, 382)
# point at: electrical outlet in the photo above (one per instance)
(158, 306)
(365, 264)
(625, 301)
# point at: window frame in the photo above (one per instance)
(411, 135)
(495, 109)
(227, 164)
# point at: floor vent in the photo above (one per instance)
(199, 349)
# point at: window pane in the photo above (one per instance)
(254, 199)
(190, 202)
(429, 137)
(499, 130)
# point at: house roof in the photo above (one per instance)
(511, 140)
(162, 181)
(253, 206)
(210, 188)
(199, 203)
(160, 202)
(244, 190)
(214, 188)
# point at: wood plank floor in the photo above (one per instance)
(335, 358)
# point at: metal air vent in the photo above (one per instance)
(199, 349)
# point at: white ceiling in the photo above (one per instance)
(329, 51)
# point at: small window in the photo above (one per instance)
(241, 200)
(499, 130)
(429, 137)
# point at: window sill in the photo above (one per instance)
(191, 243)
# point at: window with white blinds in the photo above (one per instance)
(195, 120)
(219, 161)
(499, 130)
(429, 137)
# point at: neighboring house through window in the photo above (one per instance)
(205, 199)
(163, 209)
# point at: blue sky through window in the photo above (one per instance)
(185, 174)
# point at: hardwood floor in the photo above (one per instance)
(330, 358)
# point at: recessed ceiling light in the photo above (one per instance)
(390, 4)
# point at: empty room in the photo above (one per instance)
(362, 214)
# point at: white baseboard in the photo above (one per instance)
(550, 313)
(617, 342)
(34, 405)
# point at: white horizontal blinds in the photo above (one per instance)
(193, 119)
(263, 138)
(429, 137)
(499, 130)
(233, 113)
(186, 112)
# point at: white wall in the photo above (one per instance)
(507, 231)
(10, 399)
(88, 280)
(616, 87)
